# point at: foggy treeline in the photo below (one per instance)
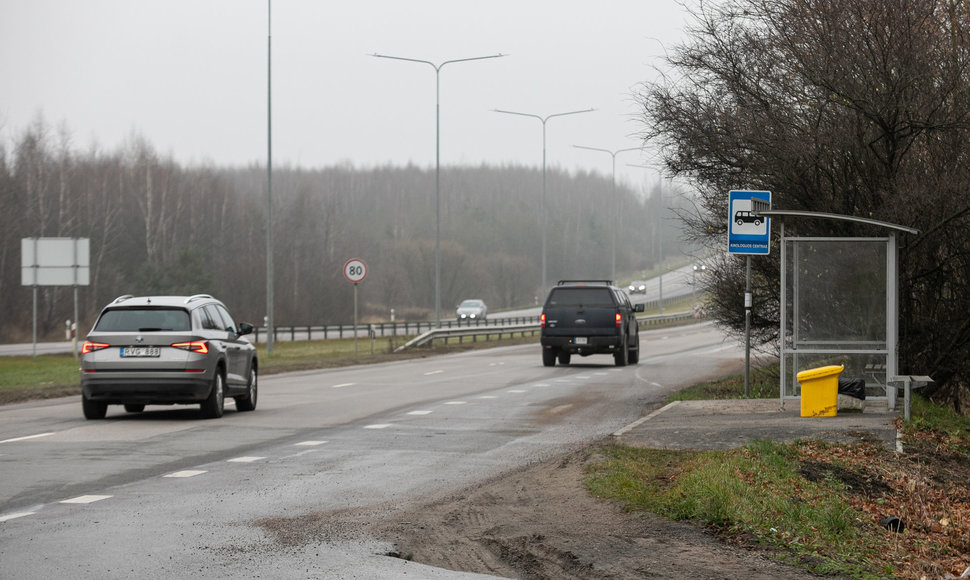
(157, 227)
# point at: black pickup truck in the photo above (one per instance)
(587, 317)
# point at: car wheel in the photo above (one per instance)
(740, 222)
(620, 356)
(93, 409)
(548, 357)
(135, 408)
(248, 401)
(213, 406)
(564, 358)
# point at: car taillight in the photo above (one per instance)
(89, 346)
(619, 320)
(542, 320)
(200, 346)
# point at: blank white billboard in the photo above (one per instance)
(55, 261)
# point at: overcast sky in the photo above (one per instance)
(190, 76)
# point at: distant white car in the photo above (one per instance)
(638, 287)
(471, 310)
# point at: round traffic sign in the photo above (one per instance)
(355, 270)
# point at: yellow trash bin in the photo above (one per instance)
(820, 391)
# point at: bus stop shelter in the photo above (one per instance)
(840, 304)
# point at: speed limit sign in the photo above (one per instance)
(355, 270)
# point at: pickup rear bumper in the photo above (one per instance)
(594, 344)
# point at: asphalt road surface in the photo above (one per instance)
(165, 494)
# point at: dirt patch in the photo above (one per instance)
(541, 523)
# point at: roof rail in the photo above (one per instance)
(195, 297)
(604, 282)
(122, 298)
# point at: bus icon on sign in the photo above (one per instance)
(747, 217)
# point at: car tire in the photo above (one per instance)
(564, 358)
(93, 409)
(131, 408)
(620, 356)
(213, 406)
(548, 357)
(248, 401)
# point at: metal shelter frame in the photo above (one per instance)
(797, 348)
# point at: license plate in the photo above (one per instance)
(580, 340)
(140, 351)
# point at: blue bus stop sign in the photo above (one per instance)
(748, 232)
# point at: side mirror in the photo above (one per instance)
(245, 328)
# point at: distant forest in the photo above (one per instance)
(157, 227)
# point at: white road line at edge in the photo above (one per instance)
(9, 517)
(27, 437)
(647, 418)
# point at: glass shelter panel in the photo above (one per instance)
(835, 309)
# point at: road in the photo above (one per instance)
(166, 494)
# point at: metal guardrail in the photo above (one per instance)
(380, 329)
(474, 333)
(498, 331)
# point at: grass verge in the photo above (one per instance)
(816, 505)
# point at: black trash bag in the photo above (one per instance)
(853, 388)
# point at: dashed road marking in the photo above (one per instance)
(27, 437)
(456, 403)
(517, 391)
(378, 426)
(246, 459)
(308, 443)
(342, 385)
(433, 372)
(419, 413)
(186, 473)
(488, 397)
(85, 499)
(9, 517)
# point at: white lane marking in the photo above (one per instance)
(456, 402)
(378, 426)
(433, 372)
(85, 499)
(308, 443)
(647, 418)
(342, 385)
(541, 385)
(419, 413)
(488, 397)
(517, 391)
(9, 517)
(246, 459)
(27, 437)
(186, 473)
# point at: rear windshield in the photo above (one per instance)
(580, 297)
(144, 320)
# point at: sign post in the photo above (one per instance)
(748, 233)
(355, 270)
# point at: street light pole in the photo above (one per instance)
(437, 162)
(270, 332)
(613, 194)
(542, 209)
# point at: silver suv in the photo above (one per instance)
(164, 350)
